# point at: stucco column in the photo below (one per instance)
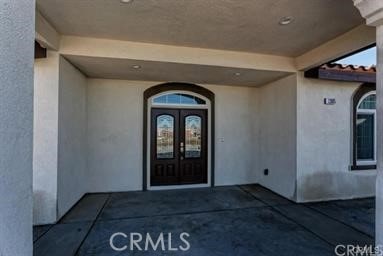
(379, 181)
(372, 11)
(379, 93)
(17, 31)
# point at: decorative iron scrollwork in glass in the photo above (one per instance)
(193, 133)
(165, 137)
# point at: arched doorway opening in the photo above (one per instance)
(178, 136)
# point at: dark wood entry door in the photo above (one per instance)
(178, 146)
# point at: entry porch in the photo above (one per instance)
(232, 220)
(76, 125)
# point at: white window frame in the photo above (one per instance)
(367, 112)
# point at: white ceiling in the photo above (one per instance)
(241, 25)
(111, 68)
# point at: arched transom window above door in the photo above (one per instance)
(177, 98)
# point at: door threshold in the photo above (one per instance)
(204, 185)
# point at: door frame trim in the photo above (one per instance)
(149, 134)
(172, 87)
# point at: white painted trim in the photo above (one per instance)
(178, 187)
(181, 106)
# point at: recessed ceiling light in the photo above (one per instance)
(286, 20)
(126, 1)
(237, 73)
(136, 66)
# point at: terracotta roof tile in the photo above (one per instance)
(340, 72)
(348, 68)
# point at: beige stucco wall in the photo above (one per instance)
(60, 121)
(72, 123)
(287, 122)
(45, 137)
(235, 160)
(324, 143)
(277, 136)
(307, 145)
(282, 126)
(115, 130)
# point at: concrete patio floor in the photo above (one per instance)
(234, 220)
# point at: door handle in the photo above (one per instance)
(182, 150)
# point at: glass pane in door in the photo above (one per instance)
(193, 136)
(165, 137)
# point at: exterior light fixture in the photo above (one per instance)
(237, 73)
(126, 1)
(286, 20)
(136, 66)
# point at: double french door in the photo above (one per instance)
(178, 141)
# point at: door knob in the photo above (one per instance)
(182, 150)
